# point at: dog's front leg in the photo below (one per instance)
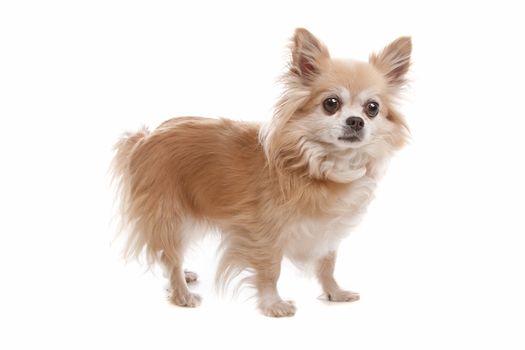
(325, 275)
(266, 275)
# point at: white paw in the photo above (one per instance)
(190, 276)
(185, 299)
(279, 308)
(343, 296)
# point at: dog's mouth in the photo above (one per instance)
(349, 138)
(350, 135)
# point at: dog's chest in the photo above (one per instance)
(310, 238)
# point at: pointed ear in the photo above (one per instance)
(394, 61)
(308, 55)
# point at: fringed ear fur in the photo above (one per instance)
(308, 55)
(394, 61)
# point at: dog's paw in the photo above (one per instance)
(190, 276)
(343, 296)
(185, 299)
(279, 308)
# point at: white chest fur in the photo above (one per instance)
(309, 239)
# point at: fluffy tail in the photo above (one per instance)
(124, 148)
(120, 168)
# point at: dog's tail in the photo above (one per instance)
(124, 148)
(121, 178)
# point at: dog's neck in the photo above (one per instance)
(340, 166)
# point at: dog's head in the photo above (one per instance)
(337, 113)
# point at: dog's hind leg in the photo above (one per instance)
(172, 258)
(190, 276)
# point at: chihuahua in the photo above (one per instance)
(293, 187)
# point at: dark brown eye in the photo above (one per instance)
(331, 105)
(372, 109)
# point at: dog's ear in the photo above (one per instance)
(308, 55)
(394, 61)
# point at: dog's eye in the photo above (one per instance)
(331, 105)
(372, 109)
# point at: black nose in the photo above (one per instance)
(355, 123)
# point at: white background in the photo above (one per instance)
(439, 260)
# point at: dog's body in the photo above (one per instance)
(292, 188)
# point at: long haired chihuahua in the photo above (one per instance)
(294, 187)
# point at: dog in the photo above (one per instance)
(293, 187)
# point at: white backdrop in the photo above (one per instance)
(438, 261)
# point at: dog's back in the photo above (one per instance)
(183, 171)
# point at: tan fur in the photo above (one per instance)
(258, 187)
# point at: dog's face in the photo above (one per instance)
(350, 102)
(348, 106)
(335, 107)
